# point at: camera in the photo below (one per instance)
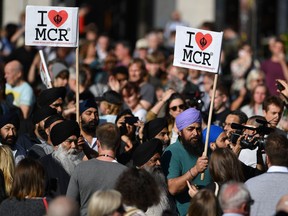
(131, 120)
(280, 87)
(251, 141)
(194, 99)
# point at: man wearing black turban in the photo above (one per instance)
(9, 125)
(42, 146)
(53, 97)
(60, 164)
(89, 120)
(147, 156)
(157, 128)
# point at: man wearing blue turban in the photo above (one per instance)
(183, 160)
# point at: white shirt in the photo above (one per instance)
(278, 169)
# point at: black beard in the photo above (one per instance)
(89, 127)
(42, 134)
(9, 140)
(194, 148)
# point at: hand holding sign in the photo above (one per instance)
(200, 50)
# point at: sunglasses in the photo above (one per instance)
(250, 202)
(181, 106)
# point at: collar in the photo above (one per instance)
(278, 169)
(93, 144)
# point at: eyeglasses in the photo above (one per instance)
(57, 105)
(226, 124)
(181, 106)
(72, 141)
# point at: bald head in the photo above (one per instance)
(63, 206)
(13, 73)
(232, 196)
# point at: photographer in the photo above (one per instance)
(251, 142)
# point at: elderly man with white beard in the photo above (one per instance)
(147, 156)
(68, 153)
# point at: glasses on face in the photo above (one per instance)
(75, 141)
(181, 106)
(226, 124)
(57, 105)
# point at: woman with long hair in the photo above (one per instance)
(7, 166)
(224, 166)
(204, 203)
(26, 197)
(174, 103)
(255, 107)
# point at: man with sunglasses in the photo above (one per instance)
(68, 153)
(183, 160)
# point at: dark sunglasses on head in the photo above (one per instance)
(121, 209)
(250, 202)
(181, 106)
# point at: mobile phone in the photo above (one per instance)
(131, 120)
(280, 87)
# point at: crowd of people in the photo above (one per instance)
(138, 146)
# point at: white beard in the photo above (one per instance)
(164, 203)
(68, 159)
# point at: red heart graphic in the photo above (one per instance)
(203, 41)
(58, 18)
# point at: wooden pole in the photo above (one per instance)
(209, 119)
(77, 85)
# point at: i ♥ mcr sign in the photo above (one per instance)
(197, 49)
(51, 26)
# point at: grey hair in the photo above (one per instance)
(233, 195)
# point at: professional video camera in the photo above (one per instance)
(251, 141)
(194, 99)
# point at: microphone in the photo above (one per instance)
(263, 122)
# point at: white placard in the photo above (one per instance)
(51, 26)
(197, 49)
